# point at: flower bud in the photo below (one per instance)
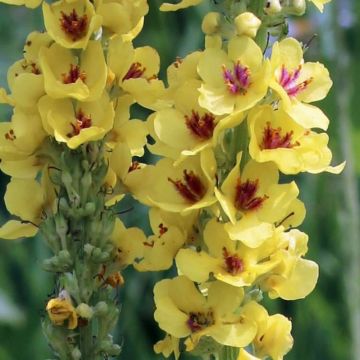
(296, 7)
(101, 308)
(273, 7)
(247, 24)
(85, 311)
(76, 354)
(211, 23)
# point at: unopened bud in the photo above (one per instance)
(76, 354)
(247, 24)
(101, 308)
(211, 23)
(273, 7)
(85, 311)
(296, 7)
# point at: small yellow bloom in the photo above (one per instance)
(183, 312)
(121, 16)
(66, 75)
(169, 235)
(275, 136)
(294, 277)
(167, 346)
(188, 186)
(136, 71)
(75, 124)
(71, 24)
(227, 260)
(235, 81)
(297, 84)
(181, 5)
(273, 336)
(187, 128)
(61, 310)
(128, 243)
(255, 202)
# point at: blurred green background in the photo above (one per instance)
(326, 325)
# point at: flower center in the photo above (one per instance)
(82, 122)
(234, 265)
(288, 80)
(162, 230)
(201, 126)
(272, 138)
(73, 75)
(198, 320)
(10, 135)
(135, 165)
(136, 71)
(238, 79)
(73, 25)
(245, 195)
(191, 189)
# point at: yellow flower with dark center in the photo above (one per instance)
(71, 24)
(227, 260)
(185, 187)
(275, 136)
(75, 124)
(183, 312)
(66, 75)
(255, 203)
(297, 84)
(233, 81)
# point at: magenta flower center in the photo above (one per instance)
(198, 320)
(289, 81)
(238, 79)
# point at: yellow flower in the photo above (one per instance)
(187, 127)
(121, 16)
(227, 260)
(136, 71)
(167, 346)
(186, 187)
(61, 310)
(275, 136)
(235, 81)
(26, 199)
(130, 132)
(128, 243)
(171, 231)
(320, 3)
(181, 71)
(66, 75)
(255, 202)
(20, 138)
(75, 124)
(183, 312)
(71, 24)
(273, 336)
(293, 278)
(297, 84)
(180, 5)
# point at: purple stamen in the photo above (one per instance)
(238, 80)
(288, 81)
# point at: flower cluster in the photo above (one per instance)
(229, 122)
